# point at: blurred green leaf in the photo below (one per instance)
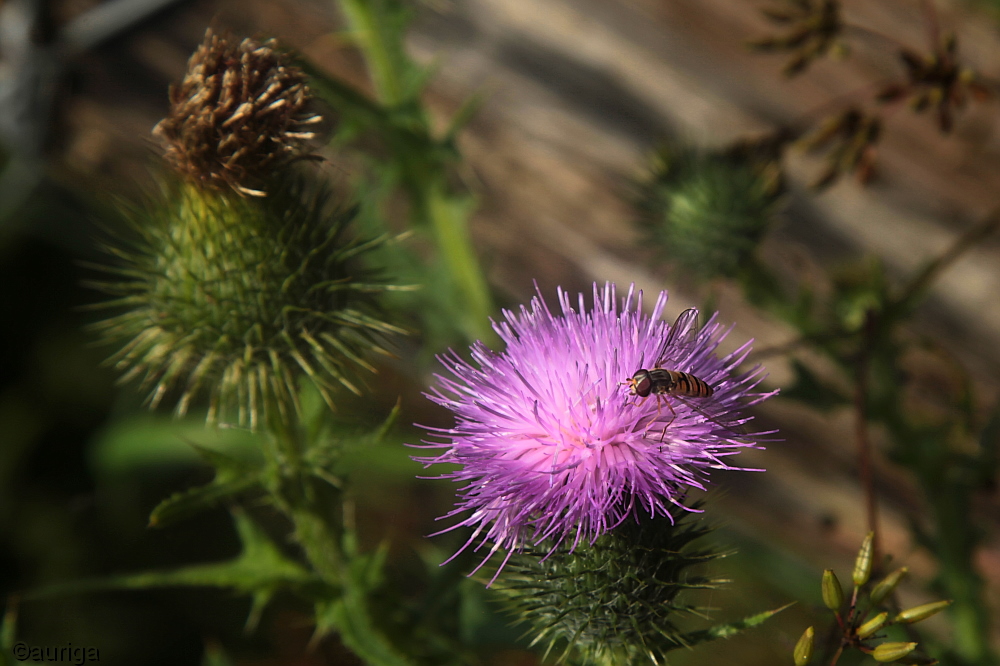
(151, 440)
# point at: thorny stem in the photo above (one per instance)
(295, 493)
(861, 432)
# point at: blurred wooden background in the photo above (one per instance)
(577, 94)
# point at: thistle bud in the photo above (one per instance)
(922, 612)
(804, 648)
(833, 594)
(708, 213)
(872, 625)
(240, 111)
(238, 299)
(887, 585)
(863, 564)
(892, 651)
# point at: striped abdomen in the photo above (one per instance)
(672, 382)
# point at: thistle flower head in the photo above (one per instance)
(238, 299)
(240, 111)
(552, 441)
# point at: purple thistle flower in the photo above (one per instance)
(554, 443)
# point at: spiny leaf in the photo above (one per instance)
(232, 477)
(260, 570)
(730, 629)
(352, 617)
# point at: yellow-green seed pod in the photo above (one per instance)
(833, 594)
(887, 585)
(804, 648)
(893, 651)
(872, 625)
(922, 612)
(863, 565)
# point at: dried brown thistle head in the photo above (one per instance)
(240, 111)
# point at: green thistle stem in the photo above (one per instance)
(453, 239)
(297, 494)
(424, 179)
(382, 54)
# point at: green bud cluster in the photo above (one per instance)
(707, 213)
(239, 299)
(617, 600)
(863, 621)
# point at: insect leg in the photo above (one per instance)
(673, 415)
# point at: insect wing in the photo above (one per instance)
(681, 338)
(735, 426)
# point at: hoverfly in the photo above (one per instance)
(660, 382)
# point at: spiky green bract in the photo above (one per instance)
(238, 299)
(617, 601)
(705, 213)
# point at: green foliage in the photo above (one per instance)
(707, 212)
(237, 298)
(260, 571)
(455, 303)
(862, 327)
(154, 441)
(350, 614)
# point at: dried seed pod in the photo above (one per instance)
(813, 30)
(240, 111)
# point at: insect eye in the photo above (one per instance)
(641, 383)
